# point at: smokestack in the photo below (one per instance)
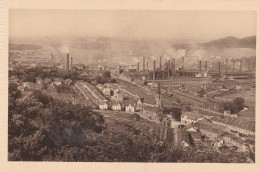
(182, 67)
(71, 63)
(147, 66)
(137, 67)
(68, 63)
(144, 65)
(160, 62)
(219, 69)
(206, 65)
(233, 65)
(241, 62)
(174, 65)
(249, 64)
(226, 65)
(169, 62)
(153, 70)
(200, 66)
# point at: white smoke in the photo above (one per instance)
(153, 57)
(65, 48)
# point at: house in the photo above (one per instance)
(57, 81)
(68, 81)
(47, 80)
(38, 87)
(39, 80)
(120, 96)
(209, 129)
(103, 106)
(107, 91)
(99, 86)
(190, 117)
(150, 112)
(130, 108)
(116, 106)
(195, 137)
(28, 86)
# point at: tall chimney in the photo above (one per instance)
(169, 62)
(226, 65)
(137, 67)
(71, 63)
(182, 67)
(174, 64)
(241, 62)
(206, 65)
(219, 69)
(147, 66)
(144, 65)
(153, 70)
(68, 63)
(249, 64)
(160, 62)
(200, 66)
(233, 60)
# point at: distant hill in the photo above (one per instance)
(232, 42)
(23, 47)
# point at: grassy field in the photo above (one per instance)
(248, 93)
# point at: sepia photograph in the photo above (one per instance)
(175, 86)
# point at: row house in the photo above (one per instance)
(103, 106)
(116, 106)
(239, 125)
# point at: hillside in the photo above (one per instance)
(23, 47)
(232, 42)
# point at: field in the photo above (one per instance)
(248, 93)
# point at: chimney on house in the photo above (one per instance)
(68, 63)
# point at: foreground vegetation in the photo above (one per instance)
(43, 129)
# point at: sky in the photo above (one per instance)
(201, 26)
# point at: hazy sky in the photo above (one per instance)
(191, 25)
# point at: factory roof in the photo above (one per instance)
(194, 115)
(236, 122)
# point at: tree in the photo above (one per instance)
(107, 75)
(239, 103)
